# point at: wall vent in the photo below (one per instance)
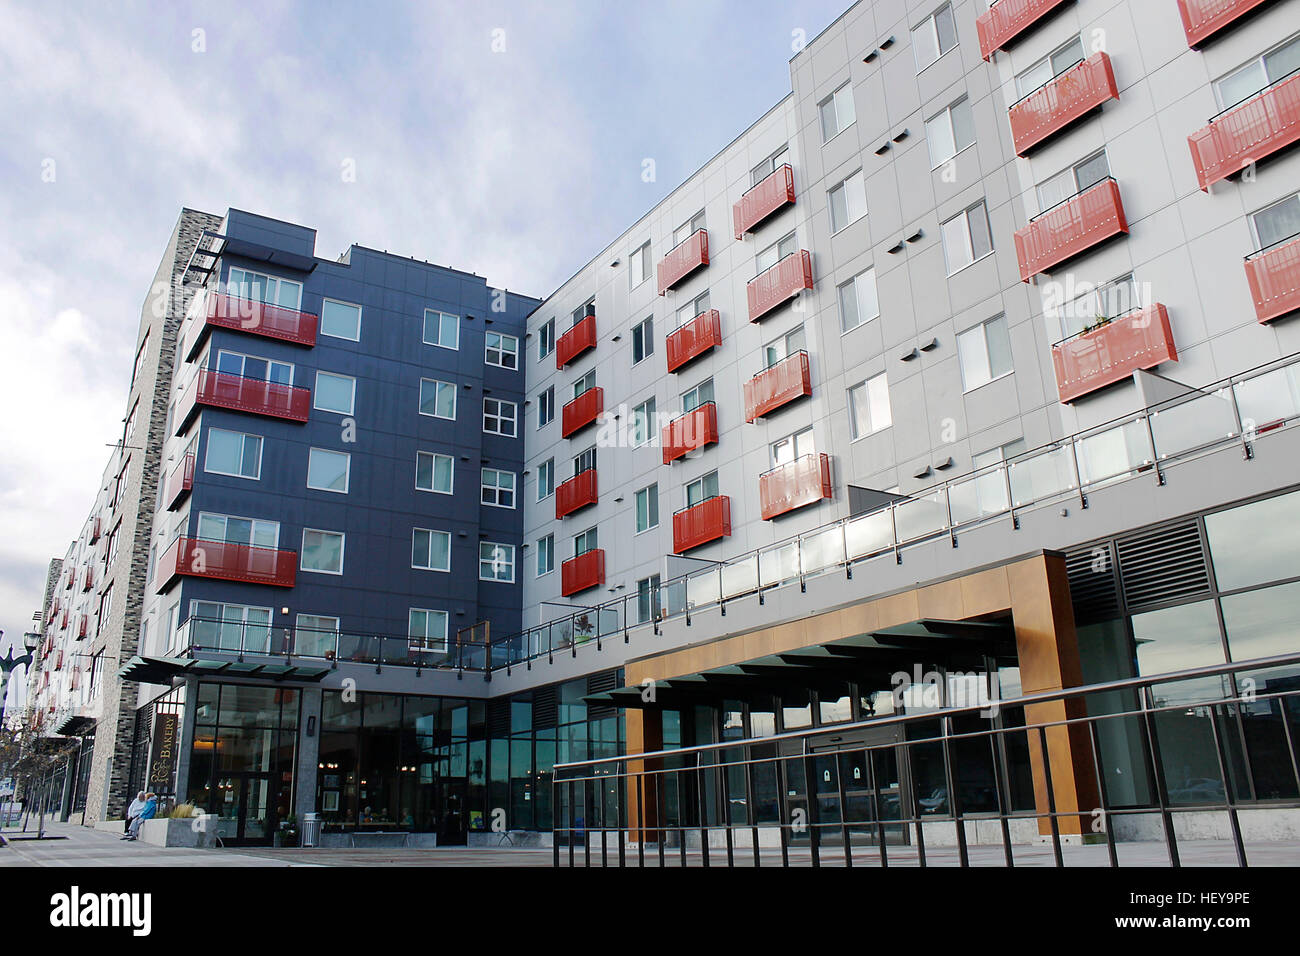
(1162, 565)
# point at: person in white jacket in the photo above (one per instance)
(133, 811)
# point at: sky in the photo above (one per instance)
(505, 139)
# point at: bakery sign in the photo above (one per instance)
(162, 753)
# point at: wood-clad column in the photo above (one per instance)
(645, 734)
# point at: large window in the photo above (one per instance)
(229, 627)
(1072, 181)
(643, 423)
(643, 339)
(335, 393)
(837, 113)
(545, 555)
(1255, 542)
(315, 635)
(437, 399)
(702, 489)
(638, 263)
(1052, 65)
(1279, 221)
(859, 302)
(328, 470)
(848, 202)
(255, 532)
(340, 320)
(430, 550)
(546, 479)
(984, 353)
(766, 258)
(869, 406)
(233, 453)
(427, 630)
(769, 166)
(501, 350)
(322, 551)
(257, 287)
(793, 447)
(1261, 72)
(250, 366)
(966, 237)
(950, 132)
(934, 36)
(497, 488)
(441, 329)
(499, 417)
(496, 562)
(647, 508)
(701, 394)
(434, 472)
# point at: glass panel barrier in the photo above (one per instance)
(1269, 399)
(978, 496)
(780, 563)
(740, 577)
(1041, 476)
(704, 588)
(1183, 427)
(822, 549)
(922, 516)
(1114, 454)
(869, 534)
(673, 597)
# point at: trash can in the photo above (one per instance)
(310, 829)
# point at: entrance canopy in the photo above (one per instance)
(161, 670)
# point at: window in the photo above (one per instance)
(315, 634)
(437, 399)
(427, 630)
(256, 287)
(497, 488)
(546, 479)
(501, 350)
(254, 532)
(966, 237)
(789, 344)
(859, 302)
(585, 461)
(848, 202)
(1259, 73)
(226, 627)
(340, 320)
(643, 339)
(984, 353)
(643, 423)
(869, 406)
(837, 112)
(140, 355)
(545, 555)
(769, 166)
(688, 228)
(702, 489)
(496, 562)
(796, 446)
(689, 311)
(587, 308)
(322, 551)
(934, 36)
(950, 132)
(701, 394)
(441, 329)
(545, 339)
(647, 598)
(1049, 67)
(1072, 181)
(250, 366)
(1093, 304)
(434, 472)
(546, 406)
(584, 542)
(775, 253)
(233, 453)
(638, 262)
(430, 550)
(499, 417)
(584, 384)
(335, 393)
(128, 433)
(328, 470)
(1253, 543)
(105, 609)
(647, 508)
(1277, 222)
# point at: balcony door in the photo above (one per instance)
(257, 539)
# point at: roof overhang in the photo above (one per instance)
(163, 670)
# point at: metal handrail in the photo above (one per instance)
(1283, 241)
(1048, 82)
(1250, 96)
(1072, 197)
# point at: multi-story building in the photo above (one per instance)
(987, 321)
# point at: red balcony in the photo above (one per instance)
(1202, 19)
(1246, 133)
(579, 491)
(1062, 101)
(179, 483)
(585, 571)
(83, 625)
(88, 582)
(772, 193)
(223, 561)
(702, 523)
(575, 341)
(693, 339)
(582, 411)
(58, 661)
(68, 581)
(777, 385)
(695, 429)
(1274, 277)
(255, 318)
(63, 622)
(1006, 20)
(795, 484)
(239, 394)
(690, 254)
(779, 284)
(1112, 353)
(96, 524)
(1070, 228)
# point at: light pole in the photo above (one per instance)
(9, 663)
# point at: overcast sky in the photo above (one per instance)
(518, 163)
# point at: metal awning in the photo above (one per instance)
(162, 670)
(74, 726)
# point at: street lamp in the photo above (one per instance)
(8, 663)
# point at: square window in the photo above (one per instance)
(437, 399)
(335, 393)
(441, 329)
(501, 350)
(233, 453)
(966, 237)
(322, 551)
(499, 417)
(950, 132)
(497, 488)
(434, 472)
(340, 320)
(427, 630)
(647, 508)
(430, 550)
(328, 470)
(496, 562)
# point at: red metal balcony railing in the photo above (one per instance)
(779, 284)
(582, 411)
(575, 341)
(690, 254)
(255, 318)
(58, 660)
(695, 429)
(96, 524)
(1243, 134)
(702, 523)
(1070, 228)
(239, 394)
(1274, 277)
(770, 194)
(88, 582)
(777, 385)
(224, 561)
(585, 571)
(63, 622)
(693, 339)
(1062, 101)
(1004, 22)
(83, 625)
(1111, 353)
(179, 483)
(795, 484)
(579, 491)
(1202, 19)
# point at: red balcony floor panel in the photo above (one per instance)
(693, 339)
(779, 284)
(1071, 228)
(1274, 278)
(223, 561)
(779, 385)
(1244, 134)
(255, 318)
(1062, 101)
(702, 523)
(579, 491)
(574, 342)
(179, 483)
(236, 393)
(772, 193)
(584, 410)
(1203, 19)
(582, 573)
(1003, 23)
(690, 254)
(1093, 360)
(695, 429)
(796, 484)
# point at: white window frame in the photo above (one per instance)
(845, 328)
(352, 402)
(853, 187)
(967, 387)
(643, 335)
(964, 215)
(424, 331)
(244, 436)
(546, 406)
(433, 472)
(351, 305)
(347, 471)
(496, 489)
(946, 116)
(642, 414)
(508, 549)
(545, 544)
(651, 493)
(500, 417)
(302, 552)
(548, 468)
(434, 414)
(225, 534)
(431, 532)
(932, 23)
(881, 383)
(424, 642)
(841, 95)
(269, 281)
(638, 265)
(501, 350)
(545, 339)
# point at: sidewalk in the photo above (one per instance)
(84, 846)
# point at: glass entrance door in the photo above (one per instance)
(858, 792)
(246, 813)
